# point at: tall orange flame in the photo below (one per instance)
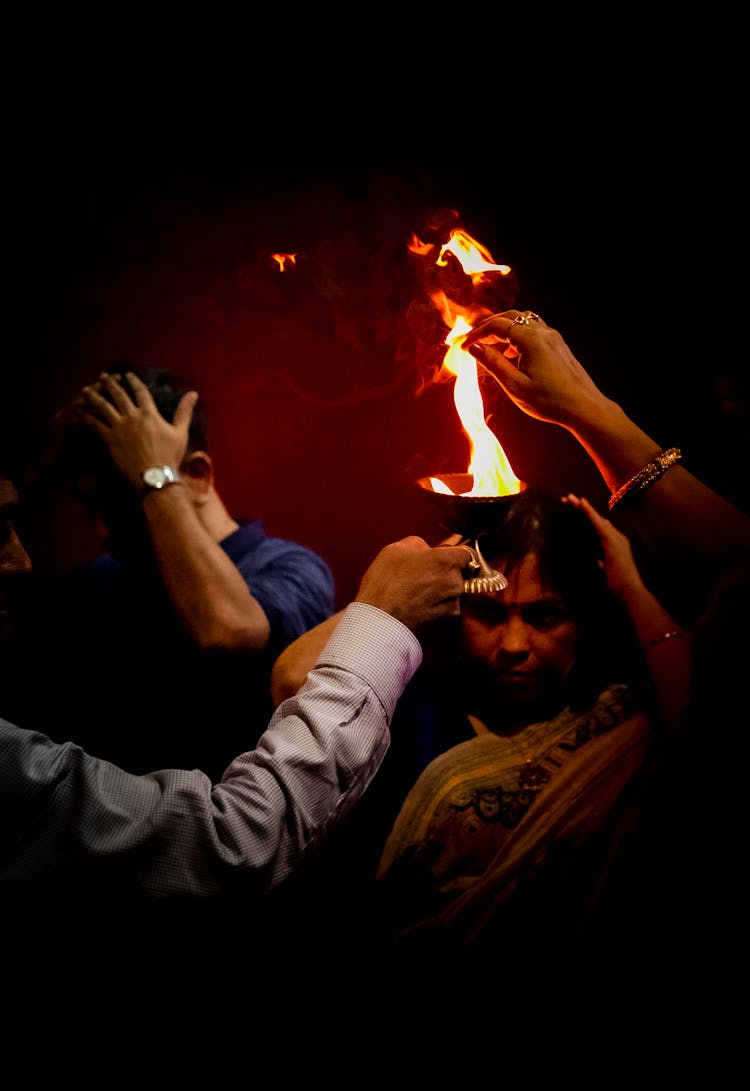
(489, 466)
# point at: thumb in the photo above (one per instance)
(184, 412)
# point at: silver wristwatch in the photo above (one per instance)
(158, 477)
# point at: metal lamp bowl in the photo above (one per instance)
(468, 516)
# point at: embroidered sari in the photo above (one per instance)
(502, 837)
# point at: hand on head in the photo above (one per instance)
(414, 582)
(534, 366)
(618, 563)
(131, 426)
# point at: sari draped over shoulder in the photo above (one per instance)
(497, 835)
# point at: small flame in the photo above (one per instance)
(282, 259)
(475, 259)
(416, 246)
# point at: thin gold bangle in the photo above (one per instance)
(646, 476)
(664, 636)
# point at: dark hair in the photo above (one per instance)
(561, 536)
(167, 388)
(568, 552)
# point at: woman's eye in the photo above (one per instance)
(546, 616)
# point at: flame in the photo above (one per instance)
(440, 486)
(282, 259)
(475, 259)
(416, 246)
(488, 464)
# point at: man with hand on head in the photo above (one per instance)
(191, 603)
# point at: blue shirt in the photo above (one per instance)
(104, 661)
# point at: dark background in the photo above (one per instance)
(140, 216)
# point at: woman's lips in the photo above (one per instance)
(518, 678)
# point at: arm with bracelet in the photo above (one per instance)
(672, 511)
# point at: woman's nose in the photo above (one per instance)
(513, 637)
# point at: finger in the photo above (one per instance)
(412, 542)
(112, 387)
(504, 326)
(591, 511)
(460, 555)
(94, 401)
(141, 393)
(599, 522)
(496, 324)
(499, 361)
(185, 408)
(471, 562)
(142, 396)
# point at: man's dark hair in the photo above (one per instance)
(167, 388)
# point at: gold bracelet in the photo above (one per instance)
(660, 639)
(650, 473)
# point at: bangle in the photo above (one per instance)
(664, 636)
(650, 473)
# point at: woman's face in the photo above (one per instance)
(520, 643)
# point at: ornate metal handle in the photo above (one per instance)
(483, 579)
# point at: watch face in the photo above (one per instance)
(154, 476)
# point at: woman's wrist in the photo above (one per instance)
(617, 446)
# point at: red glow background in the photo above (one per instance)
(151, 246)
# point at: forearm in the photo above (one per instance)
(298, 659)
(667, 653)
(209, 594)
(172, 832)
(616, 445)
(677, 512)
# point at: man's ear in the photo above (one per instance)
(198, 471)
